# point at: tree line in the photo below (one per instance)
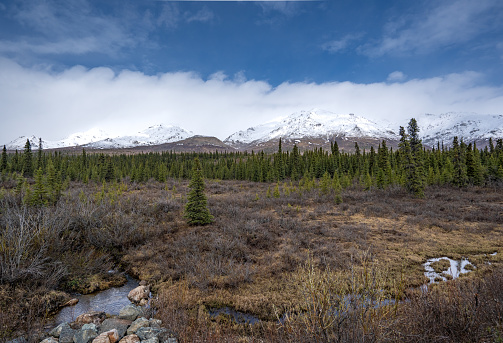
(411, 165)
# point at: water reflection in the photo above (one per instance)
(109, 301)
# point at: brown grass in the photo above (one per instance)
(249, 256)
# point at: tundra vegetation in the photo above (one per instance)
(321, 246)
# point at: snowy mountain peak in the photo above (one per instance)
(154, 135)
(314, 123)
(99, 139)
(466, 125)
(74, 139)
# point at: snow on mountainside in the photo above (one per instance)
(314, 123)
(468, 126)
(154, 135)
(75, 139)
(98, 139)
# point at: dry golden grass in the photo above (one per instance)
(250, 258)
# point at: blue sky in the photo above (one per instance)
(122, 65)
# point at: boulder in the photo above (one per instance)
(138, 323)
(130, 312)
(94, 317)
(130, 339)
(66, 334)
(86, 335)
(155, 323)
(89, 327)
(148, 332)
(57, 330)
(18, 340)
(50, 340)
(111, 336)
(136, 295)
(120, 325)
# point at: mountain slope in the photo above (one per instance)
(468, 126)
(154, 135)
(312, 124)
(75, 139)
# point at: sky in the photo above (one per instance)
(216, 67)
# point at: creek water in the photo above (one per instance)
(455, 269)
(109, 301)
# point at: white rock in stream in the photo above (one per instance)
(454, 270)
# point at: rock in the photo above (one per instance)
(155, 323)
(148, 332)
(57, 330)
(18, 340)
(111, 336)
(66, 335)
(168, 337)
(138, 323)
(71, 302)
(139, 293)
(120, 325)
(85, 335)
(94, 317)
(151, 340)
(130, 339)
(50, 340)
(130, 312)
(143, 302)
(89, 327)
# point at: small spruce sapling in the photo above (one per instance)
(196, 210)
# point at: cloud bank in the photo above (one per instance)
(53, 105)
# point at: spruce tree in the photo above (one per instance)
(39, 154)
(3, 162)
(460, 177)
(27, 159)
(39, 195)
(196, 210)
(411, 152)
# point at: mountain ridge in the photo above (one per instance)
(305, 128)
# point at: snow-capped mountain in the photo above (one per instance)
(468, 126)
(305, 128)
(313, 124)
(75, 139)
(98, 139)
(154, 135)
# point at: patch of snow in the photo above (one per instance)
(316, 124)
(494, 253)
(469, 126)
(455, 270)
(154, 135)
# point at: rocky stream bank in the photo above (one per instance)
(130, 325)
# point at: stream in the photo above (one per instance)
(109, 301)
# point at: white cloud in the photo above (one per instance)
(203, 15)
(341, 44)
(396, 76)
(451, 22)
(53, 105)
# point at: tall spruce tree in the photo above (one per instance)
(412, 160)
(196, 210)
(3, 162)
(460, 177)
(27, 159)
(39, 154)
